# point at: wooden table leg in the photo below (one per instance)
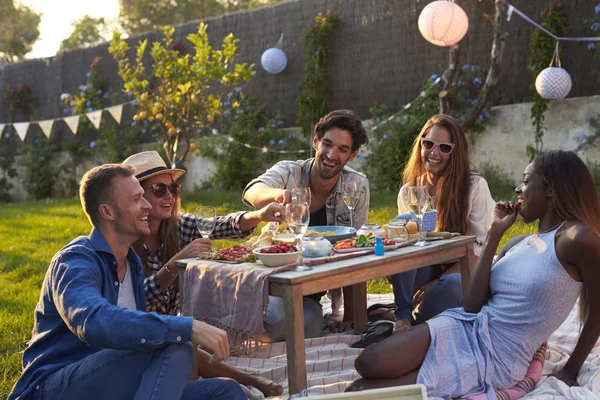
(355, 303)
(294, 328)
(467, 264)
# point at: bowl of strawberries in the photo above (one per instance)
(277, 255)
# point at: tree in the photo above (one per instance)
(18, 30)
(137, 16)
(188, 92)
(448, 94)
(87, 32)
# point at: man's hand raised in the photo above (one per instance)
(210, 339)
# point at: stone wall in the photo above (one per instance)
(501, 145)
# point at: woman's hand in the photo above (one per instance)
(273, 212)
(565, 377)
(504, 216)
(192, 250)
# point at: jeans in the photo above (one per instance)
(447, 293)
(124, 374)
(274, 322)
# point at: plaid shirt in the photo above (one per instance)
(167, 302)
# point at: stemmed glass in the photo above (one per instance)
(351, 196)
(417, 199)
(302, 195)
(297, 216)
(207, 218)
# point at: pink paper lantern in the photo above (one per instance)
(443, 23)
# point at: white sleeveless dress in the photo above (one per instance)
(532, 295)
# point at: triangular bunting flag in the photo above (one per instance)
(21, 128)
(116, 112)
(72, 122)
(46, 127)
(2, 128)
(95, 117)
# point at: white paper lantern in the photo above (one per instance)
(273, 60)
(553, 83)
(443, 23)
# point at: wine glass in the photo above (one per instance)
(351, 196)
(417, 199)
(207, 218)
(297, 216)
(301, 194)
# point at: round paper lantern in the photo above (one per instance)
(553, 83)
(443, 23)
(273, 60)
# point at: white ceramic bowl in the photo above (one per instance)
(275, 259)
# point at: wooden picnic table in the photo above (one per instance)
(352, 274)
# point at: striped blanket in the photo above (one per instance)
(330, 362)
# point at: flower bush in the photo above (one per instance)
(20, 100)
(236, 164)
(37, 159)
(392, 133)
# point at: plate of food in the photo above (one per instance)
(235, 255)
(363, 242)
(331, 233)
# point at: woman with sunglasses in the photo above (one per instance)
(174, 236)
(439, 160)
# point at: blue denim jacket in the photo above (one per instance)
(77, 314)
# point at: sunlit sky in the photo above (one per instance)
(57, 16)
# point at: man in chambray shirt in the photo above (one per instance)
(336, 140)
(92, 337)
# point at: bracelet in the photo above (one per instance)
(169, 271)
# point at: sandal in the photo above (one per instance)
(375, 333)
(378, 312)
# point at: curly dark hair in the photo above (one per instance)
(346, 120)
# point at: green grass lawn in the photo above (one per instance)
(30, 234)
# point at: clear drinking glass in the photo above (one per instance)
(351, 196)
(417, 199)
(301, 195)
(207, 218)
(297, 216)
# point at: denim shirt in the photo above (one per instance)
(77, 314)
(292, 174)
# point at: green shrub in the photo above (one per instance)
(37, 158)
(236, 164)
(501, 184)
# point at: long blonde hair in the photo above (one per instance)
(574, 196)
(168, 233)
(453, 186)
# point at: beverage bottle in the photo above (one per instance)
(378, 246)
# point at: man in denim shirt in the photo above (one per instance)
(92, 337)
(337, 138)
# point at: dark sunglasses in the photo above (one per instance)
(160, 189)
(429, 144)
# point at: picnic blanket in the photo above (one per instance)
(330, 362)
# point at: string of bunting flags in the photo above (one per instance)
(72, 122)
(116, 112)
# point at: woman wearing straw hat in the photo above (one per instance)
(173, 237)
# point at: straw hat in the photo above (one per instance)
(150, 163)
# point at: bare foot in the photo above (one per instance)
(402, 325)
(341, 326)
(266, 386)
